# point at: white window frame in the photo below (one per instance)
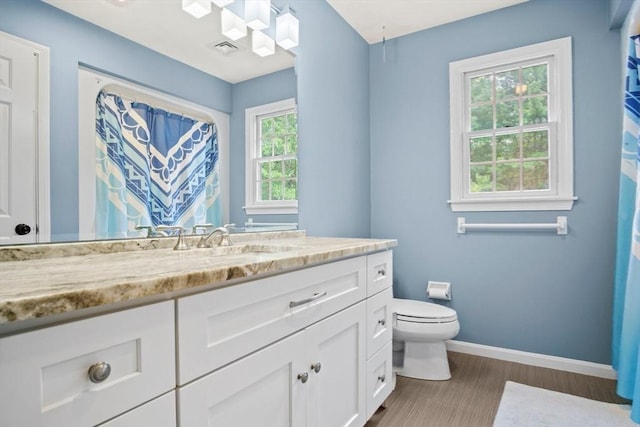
(253, 206)
(560, 109)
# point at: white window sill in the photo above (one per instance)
(272, 210)
(515, 204)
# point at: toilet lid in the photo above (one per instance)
(424, 312)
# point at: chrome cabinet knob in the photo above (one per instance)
(382, 272)
(303, 377)
(381, 378)
(316, 367)
(98, 372)
(382, 322)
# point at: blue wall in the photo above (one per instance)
(73, 41)
(333, 120)
(530, 291)
(262, 90)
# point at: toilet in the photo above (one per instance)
(419, 333)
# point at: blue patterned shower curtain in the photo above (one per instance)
(626, 310)
(152, 168)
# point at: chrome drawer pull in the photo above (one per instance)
(303, 377)
(98, 372)
(316, 367)
(381, 378)
(382, 272)
(307, 300)
(382, 322)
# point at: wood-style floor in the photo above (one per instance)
(472, 396)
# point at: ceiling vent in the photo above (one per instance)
(224, 47)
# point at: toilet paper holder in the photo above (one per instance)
(439, 290)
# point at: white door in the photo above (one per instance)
(19, 123)
(262, 389)
(336, 355)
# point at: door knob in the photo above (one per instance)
(22, 229)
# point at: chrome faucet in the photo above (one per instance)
(181, 245)
(224, 236)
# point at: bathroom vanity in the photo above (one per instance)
(281, 330)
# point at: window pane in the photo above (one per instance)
(506, 84)
(278, 146)
(535, 144)
(481, 88)
(481, 178)
(535, 175)
(265, 172)
(277, 190)
(276, 169)
(291, 124)
(279, 124)
(534, 110)
(535, 78)
(508, 176)
(291, 144)
(507, 114)
(290, 190)
(266, 147)
(507, 147)
(264, 191)
(481, 117)
(480, 149)
(290, 168)
(267, 126)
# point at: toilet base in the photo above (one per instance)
(425, 361)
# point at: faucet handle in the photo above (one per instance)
(195, 228)
(146, 227)
(181, 245)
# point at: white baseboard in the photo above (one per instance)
(534, 359)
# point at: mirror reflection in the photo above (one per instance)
(60, 48)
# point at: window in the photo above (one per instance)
(512, 131)
(272, 160)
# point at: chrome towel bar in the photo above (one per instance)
(560, 226)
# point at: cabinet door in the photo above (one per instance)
(336, 347)
(262, 389)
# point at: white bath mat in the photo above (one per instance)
(525, 406)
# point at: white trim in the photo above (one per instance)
(43, 178)
(560, 196)
(90, 83)
(251, 206)
(534, 359)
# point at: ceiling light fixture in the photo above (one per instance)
(287, 28)
(232, 25)
(262, 44)
(221, 3)
(257, 14)
(197, 8)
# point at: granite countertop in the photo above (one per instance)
(45, 280)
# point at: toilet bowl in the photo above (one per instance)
(419, 333)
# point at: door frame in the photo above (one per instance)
(42, 138)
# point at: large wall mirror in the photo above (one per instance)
(148, 44)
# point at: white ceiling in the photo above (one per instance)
(402, 17)
(161, 25)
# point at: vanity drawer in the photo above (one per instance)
(160, 412)
(379, 379)
(379, 272)
(379, 322)
(220, 326)
(44, 374)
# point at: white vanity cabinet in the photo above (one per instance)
(307, 348)
(88, 371)
(311, 378)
